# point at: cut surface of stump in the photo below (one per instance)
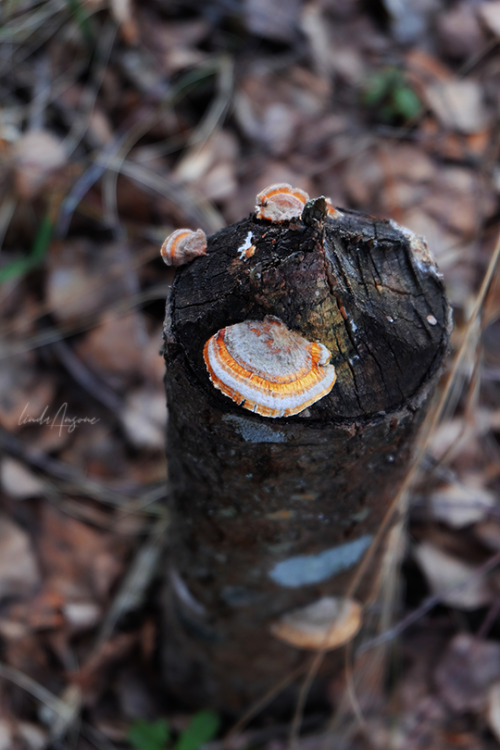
(272, 513)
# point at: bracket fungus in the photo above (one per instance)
(280, 202)
(333, 213)
(183, 245)
(325, 624)
(267, 368)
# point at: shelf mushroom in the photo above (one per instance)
(268, 368)
(325, 624)
(183, 245)
(280, 202)
(333, 213)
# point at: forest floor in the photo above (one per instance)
(121, 121)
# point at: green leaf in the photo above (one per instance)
(376, 88)
(149, 735)
(406, 102)
(201, 729)
(36, 255)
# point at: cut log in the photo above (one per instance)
(274, 514)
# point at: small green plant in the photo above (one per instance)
(156, 735)
(149, 735)
(36, 255)
(388, 93)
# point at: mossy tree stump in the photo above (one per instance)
(269, 515)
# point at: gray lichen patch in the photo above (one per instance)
(304, 570)
(254, 431)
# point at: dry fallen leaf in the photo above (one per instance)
(272, 19)
(123, 15)
(81, 615)
(114, 348)
(488, 533)
(454, 201)
(466, 671)
(81, 281)
(176, 45)
(404, 171)
(211, 167)
(25, 394)
(460, 32)
(440, 239)
(493, 712)
(449, 436)
(489, 13)
(18, 481)
(144, 418)
(80, 563)
(458, 105)
(461, 504)
(37, 154)
(19, 574)
(445, 574)
(5, 735)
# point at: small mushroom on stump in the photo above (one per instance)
(280, 202)
(183, 245)
(302, 349)
(325, 624)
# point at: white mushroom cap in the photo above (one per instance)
(326, 624)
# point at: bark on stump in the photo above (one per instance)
(252, 494)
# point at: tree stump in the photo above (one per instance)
(272, 514)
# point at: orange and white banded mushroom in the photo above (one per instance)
(267, 368)
(332, 212)
(325, 624)
(280, 202)
(183, 245)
